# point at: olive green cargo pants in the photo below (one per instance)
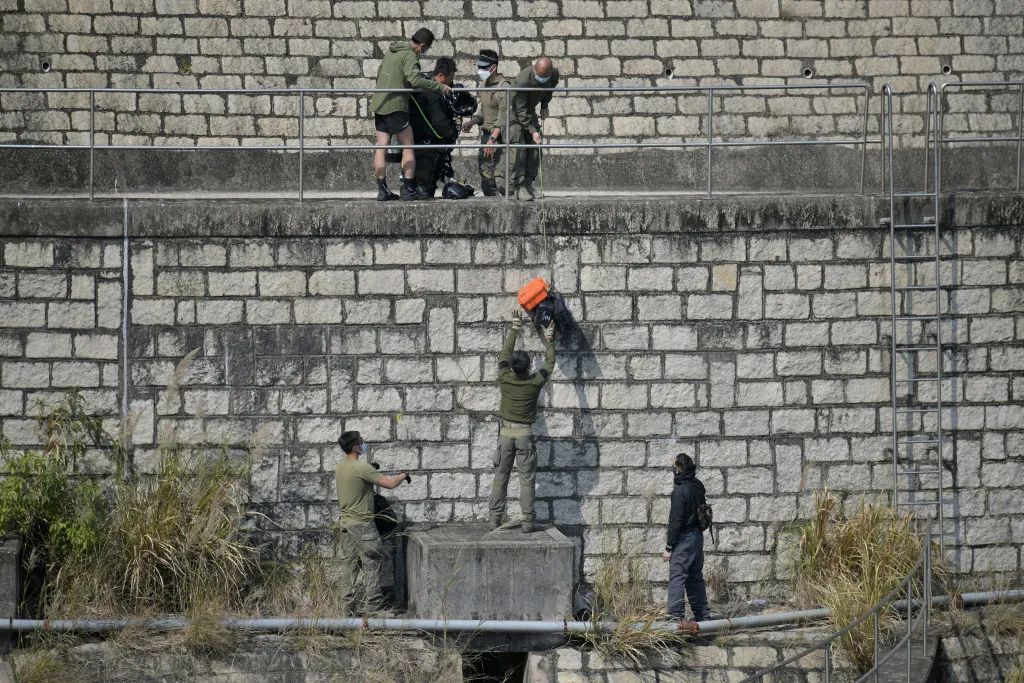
(360, 552)
(515, 446)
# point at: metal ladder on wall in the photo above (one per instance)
(916, 260)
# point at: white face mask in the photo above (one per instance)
(364, 448)
(541, 79)
(483, 74)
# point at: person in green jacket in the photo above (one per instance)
(520, 390)
(400, 69)
(542, 78)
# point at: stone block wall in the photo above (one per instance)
(753, 334)
(208, 44)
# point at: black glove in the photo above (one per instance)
(375, 465)
(408, 478)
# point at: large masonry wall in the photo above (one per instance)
(753, 333)
(207, 44)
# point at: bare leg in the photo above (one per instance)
(408, 154)
(379, 164)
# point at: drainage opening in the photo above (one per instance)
(494, 667)
(45, 66)
(808, 72)
(946, 69)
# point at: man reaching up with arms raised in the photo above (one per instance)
(520, 390)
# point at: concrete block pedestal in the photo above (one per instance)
(468, 572)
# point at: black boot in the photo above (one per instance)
(488, 187)
(424, 192)
(408, 190)
(383, 193)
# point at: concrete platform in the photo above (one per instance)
(466, 572)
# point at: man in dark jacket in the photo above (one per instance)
(433, 124)
(684, 546)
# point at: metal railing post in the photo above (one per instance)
(927, 130)
(910, 623)
(508, 137)
(828, 661)
(1020, 131)
(711, 113)
(927, 549)
(864, 144)
(302, 139)
(92, 143)
(877, 635)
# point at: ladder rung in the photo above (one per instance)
(921, 257)
(917, 379)
(913, 226)
(910, 288)
(916, 317)
(906, 441)
(911, 472)
(900, 349)
(919, 502)
(913, 194)
(917, 410)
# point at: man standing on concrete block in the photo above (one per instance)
(400, 69)
(491, 118)
(359, 545)
(684, 546)
(520, 390)
(526, 129)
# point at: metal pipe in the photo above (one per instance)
(302, 137)
(508, 137)
(468, 88)
(92, 142)
(1020, 131)
(864, 144)
(887, 172)
(711, 114)
(469, 625)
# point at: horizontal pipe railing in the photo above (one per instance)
(707, 141)
(472, 625)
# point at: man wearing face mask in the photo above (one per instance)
(526, 129)
(400, 69)
(359, 545)
(491, 119)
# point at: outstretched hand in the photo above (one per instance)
(516, 316)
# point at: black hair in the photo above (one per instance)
(349, 440)
(423, 36)
(519, 362)
(445, 65)
(684, 463)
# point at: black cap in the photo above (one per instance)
(487, 59)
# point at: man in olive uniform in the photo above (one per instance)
(542, 74)
(520, 390)
(400, 69)
(433, 124)
(491, 119)
(359, 546)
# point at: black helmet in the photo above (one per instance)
(454, 190)
(462, 103)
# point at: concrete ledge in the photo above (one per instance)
(624, 215)
(464, 572)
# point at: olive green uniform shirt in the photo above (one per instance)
(519, 396)
(493, 104)
(524, 104)
(400, 68)
(355, 481)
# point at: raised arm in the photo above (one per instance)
(415, 79)
(506, 348)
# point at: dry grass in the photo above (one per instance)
(847, 564)
(622, 591)
(43, 666)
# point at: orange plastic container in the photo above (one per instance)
(533, 292)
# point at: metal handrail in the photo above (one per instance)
(940, 93)
(887, 602)
(708, 141)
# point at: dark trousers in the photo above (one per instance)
(428, 162)
(686, 577)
